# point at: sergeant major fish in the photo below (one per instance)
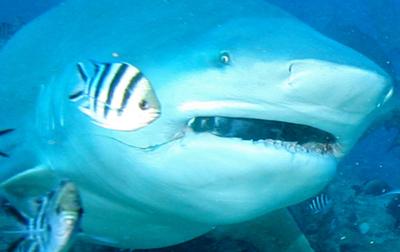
(321, 203)
(117, 96)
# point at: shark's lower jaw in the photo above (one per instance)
(293, 137)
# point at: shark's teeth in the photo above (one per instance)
(190, 123)
(294, 147)
(281, 135)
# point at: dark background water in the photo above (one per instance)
(25, 9)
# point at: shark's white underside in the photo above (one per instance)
(165, 183)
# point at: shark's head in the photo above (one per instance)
(257, 109)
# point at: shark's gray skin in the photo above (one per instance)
(164, 184)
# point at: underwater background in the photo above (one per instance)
(354, 215)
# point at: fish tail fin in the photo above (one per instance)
(24, 244)
(79, 91)
(96, 65)
(76, 96)
(82, 72)
(13, 226)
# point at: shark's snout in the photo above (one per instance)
(341, 87)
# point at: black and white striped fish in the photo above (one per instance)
(53, 227)
(320, 204)
(117, 96)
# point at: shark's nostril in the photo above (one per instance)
(290, 67)
(388, 96)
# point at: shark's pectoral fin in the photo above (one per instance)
(281, 226)
(276, 231)
(23, 188)
(31, 183)
(16, 152)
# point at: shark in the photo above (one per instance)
(257, 109)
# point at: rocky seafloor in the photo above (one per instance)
(356, 222)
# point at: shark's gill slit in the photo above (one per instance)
(299, 136)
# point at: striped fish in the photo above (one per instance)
(53, 227)
(117, 96)
(320, 204)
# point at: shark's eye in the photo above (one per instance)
(225, 58)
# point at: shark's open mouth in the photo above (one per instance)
(294, 137)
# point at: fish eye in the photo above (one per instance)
(144, 105)
(225, 58)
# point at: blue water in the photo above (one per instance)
(27, 10)
(371, 27)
